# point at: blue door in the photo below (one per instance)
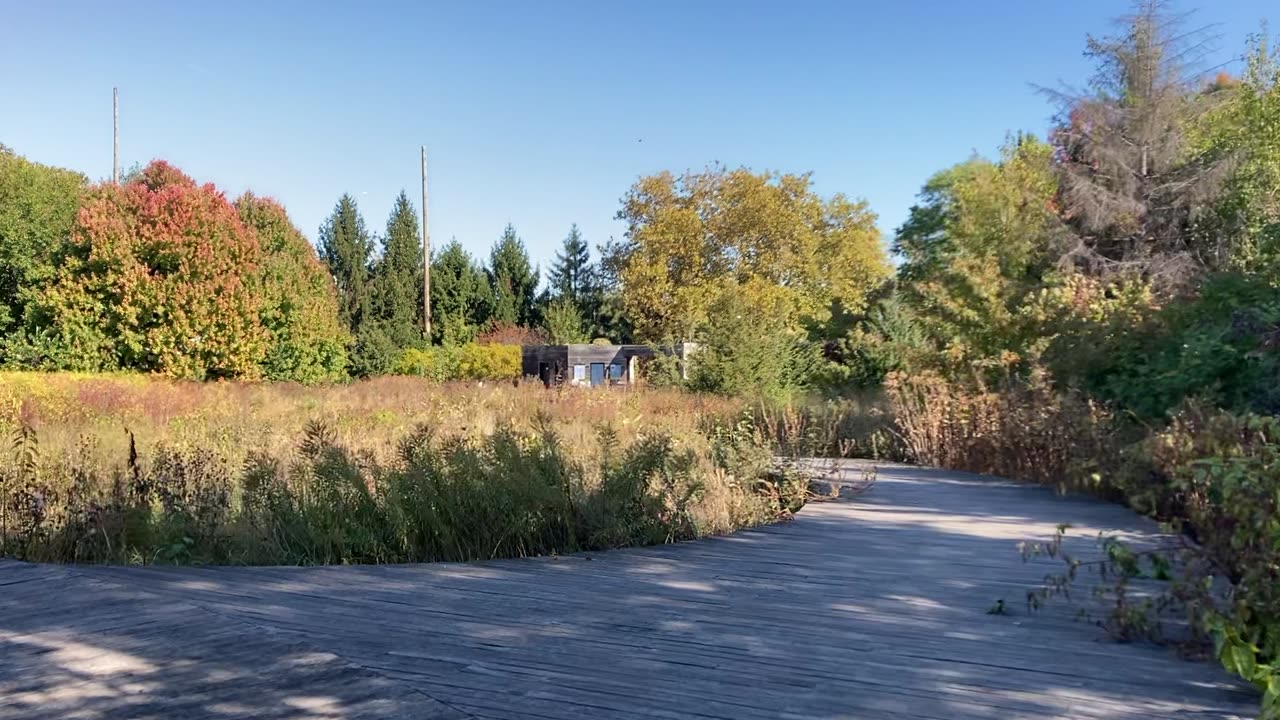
(597, 374)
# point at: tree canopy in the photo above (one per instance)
(299, 304)
(157, 275)
(789, 251)
(460, 296)
(397, 277)
(347, 249)
(38, 206)
(1133, 184)
(513, 281)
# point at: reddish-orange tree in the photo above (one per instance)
(158, 275)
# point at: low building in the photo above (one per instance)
(592, 365)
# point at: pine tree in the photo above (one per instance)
(512, 280)
(459, 295)
(345, 248)
(396, 296)
(1133, 183)
(574, 279)
(572, 276)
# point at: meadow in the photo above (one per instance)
(140, 469)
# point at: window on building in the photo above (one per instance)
(617, 373)
(579, 374)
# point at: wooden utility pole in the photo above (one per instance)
(426, 255)
(115, 135)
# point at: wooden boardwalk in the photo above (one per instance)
(875, 608)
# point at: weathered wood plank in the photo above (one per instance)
(873, 609)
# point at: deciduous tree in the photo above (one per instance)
(159, 275)
(984, 236)
(298, 302)
(38, 206)
(1247, 127)
(790, 252)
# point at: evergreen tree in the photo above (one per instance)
(572, 276)
(1133, 184)
(345, 248)
(459, 295)
(396, 295)
(575, 279)
(610, 319)
(512, 280)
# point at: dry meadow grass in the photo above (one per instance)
(141, 469)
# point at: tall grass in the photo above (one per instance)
(131, 469)
(1026, 430)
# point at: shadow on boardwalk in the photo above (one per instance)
(868, 609)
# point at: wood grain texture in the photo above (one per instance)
(873, 608)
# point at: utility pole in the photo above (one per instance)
(426, 254)
(115, 135)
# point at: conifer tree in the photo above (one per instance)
(397, 277)
(345, 248)
(572, 276)
(459, 294)
(512, 280)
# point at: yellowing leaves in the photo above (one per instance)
(791, 252)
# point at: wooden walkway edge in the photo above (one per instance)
(874, 608)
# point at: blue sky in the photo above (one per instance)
(543, 113)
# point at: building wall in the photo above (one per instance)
(555, 363)
(534, 358)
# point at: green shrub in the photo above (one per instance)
(741, 352)
(488, 362)
(471, 361)
(436, 363)
(663, 369)
(374, 352)
(563, 322)
(1218, 347)
(1220, 476)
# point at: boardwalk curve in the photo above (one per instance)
(874, 608)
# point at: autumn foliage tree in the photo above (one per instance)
(158, 275)
(790, 252)
(298, 305)
(984, 237)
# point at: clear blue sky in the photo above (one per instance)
(542, 113)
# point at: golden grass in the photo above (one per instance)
(367, 416)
